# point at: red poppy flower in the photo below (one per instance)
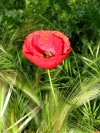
(46, 48)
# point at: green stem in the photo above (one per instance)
(52, 89)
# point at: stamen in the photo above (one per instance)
(47, 54)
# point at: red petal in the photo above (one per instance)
(46, 63)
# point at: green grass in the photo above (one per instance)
(66, 100)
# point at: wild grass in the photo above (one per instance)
(65, 101)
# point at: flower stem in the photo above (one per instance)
(52, 89)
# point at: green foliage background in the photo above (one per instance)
(26, 101)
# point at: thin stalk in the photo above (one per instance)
(52, 89)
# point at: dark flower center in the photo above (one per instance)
(47, 54)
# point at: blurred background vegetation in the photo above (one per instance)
(26, 101)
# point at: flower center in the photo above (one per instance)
(47, 54)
